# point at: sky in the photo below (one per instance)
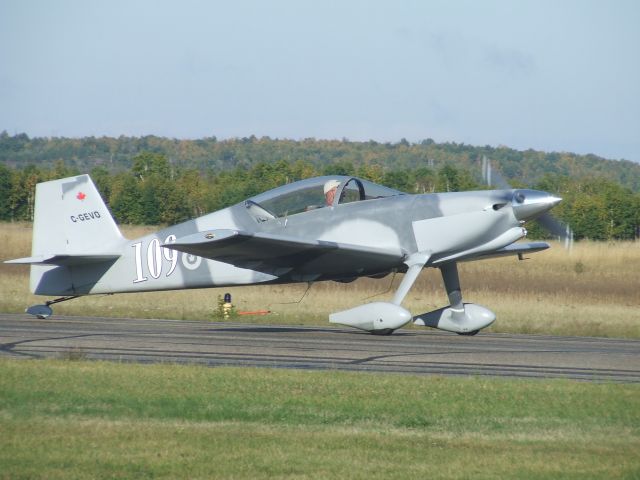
(548, 75)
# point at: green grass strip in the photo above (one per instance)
(73, 419)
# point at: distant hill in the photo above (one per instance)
(213, 155)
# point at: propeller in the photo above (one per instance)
(547, 221)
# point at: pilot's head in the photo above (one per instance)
(330, 188)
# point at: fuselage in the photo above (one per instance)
(446, 225)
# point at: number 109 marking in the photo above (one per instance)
(155, 254)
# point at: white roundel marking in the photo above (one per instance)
(191, 262)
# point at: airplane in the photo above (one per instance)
(333, 227)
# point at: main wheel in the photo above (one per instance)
(468, 334)
(384, 331)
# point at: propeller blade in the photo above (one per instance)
(553, 226)
(499, 181)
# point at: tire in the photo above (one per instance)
(468, 334)
(384, 331)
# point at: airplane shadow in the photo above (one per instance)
(280, 329)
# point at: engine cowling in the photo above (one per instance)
(372, 317)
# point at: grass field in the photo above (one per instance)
(74, 419)
(592, 291)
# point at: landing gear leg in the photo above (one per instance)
(452, 285)
(45, 311)
(451, 281)
(416, 263)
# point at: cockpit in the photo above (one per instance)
(309, 194)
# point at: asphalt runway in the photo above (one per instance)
(407, 351)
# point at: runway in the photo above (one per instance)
(407, 351)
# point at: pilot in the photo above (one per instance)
(330, 188)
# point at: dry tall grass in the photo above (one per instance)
(594, 290)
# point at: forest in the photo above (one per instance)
(153, 180)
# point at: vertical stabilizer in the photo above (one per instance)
(70, 219)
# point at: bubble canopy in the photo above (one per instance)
(306, 195)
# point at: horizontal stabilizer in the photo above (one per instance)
(63, 259)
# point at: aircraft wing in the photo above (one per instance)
(279, 254)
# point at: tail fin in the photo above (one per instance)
(71, 226)
(71, 218)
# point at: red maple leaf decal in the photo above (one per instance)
(81, 196)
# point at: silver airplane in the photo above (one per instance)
(325, 228)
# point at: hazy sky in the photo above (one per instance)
(549, 75)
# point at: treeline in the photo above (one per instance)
(156, 191)
(210, 154)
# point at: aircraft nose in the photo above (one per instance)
(529, 204)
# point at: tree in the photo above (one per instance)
(424, 180)
(5, 193)
(588, 217)
(102, 179)
(148, 163)
(126, 200)
(451, 179)
(398, 179)
(152, 198)
(22, 194)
